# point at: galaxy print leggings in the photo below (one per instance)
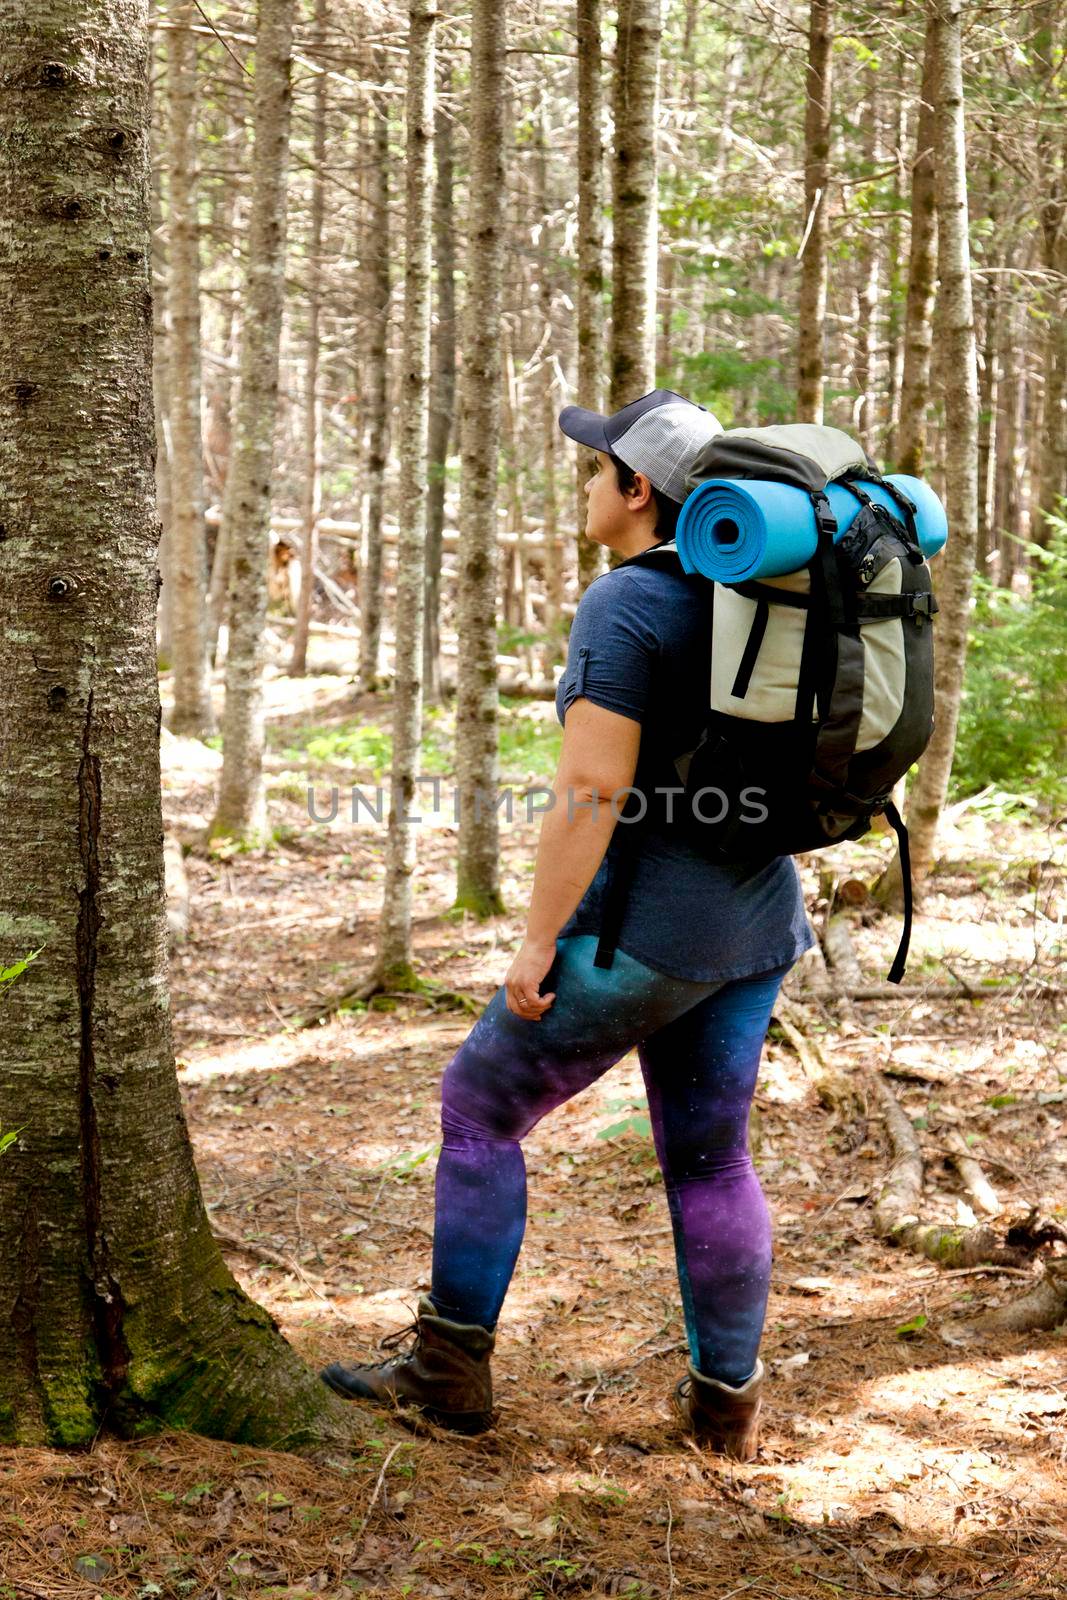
(699, 1046)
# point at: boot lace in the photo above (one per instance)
(405, 1341)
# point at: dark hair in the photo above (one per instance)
(666, 509)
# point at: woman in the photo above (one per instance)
(701, 951)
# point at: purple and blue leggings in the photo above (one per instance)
(699, 1045)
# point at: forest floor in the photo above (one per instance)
(897, 1458)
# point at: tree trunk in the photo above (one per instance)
(922, 272)
(160, 387)
(813, 261)
(187, 557)
(988, 397)
(394, 967)
(1051, 476)
(241, 812)
(312, 506)
(954, 568)
(442, 392)
(867, 291)
(117, 1309)
(477, 761)
(634, 202)
(553, 565)
(590, 259)
(377, 374)
(1011, 390)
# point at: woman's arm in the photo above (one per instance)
(598, 758)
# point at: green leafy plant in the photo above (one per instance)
(1013, 716)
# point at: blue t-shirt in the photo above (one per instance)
(640, 645)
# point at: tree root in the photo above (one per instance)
(897, 1211)
(1038, 1310)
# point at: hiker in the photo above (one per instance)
(689, 976)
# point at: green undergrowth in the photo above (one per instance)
(529, 744)
(1011, 746)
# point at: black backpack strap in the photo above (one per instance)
(896, 971)
(618, 890)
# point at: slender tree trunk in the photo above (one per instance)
(590, 259)
(394, 965)
(867, 290)
(477, 762)
(922, 273)
(220, 419)
(1007, 517)
(312, 506)
(377, 390)
(192, 712)
(117, 1309)
(813, 261)
(241, 811)
(553, 563)
(634, 201)
(959, 365)
(893, 322)
(443, 389)
(988, 394)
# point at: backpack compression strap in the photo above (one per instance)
(896, 971)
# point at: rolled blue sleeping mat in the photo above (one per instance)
(734, 529)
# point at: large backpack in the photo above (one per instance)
(821, 684)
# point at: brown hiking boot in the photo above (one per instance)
(724, 1419)
(445, 1374)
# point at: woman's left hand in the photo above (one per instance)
(522, 986)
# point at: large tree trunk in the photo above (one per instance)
(192, 712)
(116, 1308)
(377, 373)
(634, 201)
(442, 391)
(954, 569)
(241, 812)
(590, 258)
(477, 761)
(311, 509)
(922, 273)
(160, 401)
(394, 967)
(813, 261)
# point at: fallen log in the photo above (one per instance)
(897, 1211)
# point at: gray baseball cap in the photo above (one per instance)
(660, 435)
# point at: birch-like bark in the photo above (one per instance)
(241, 812)
(187, 556)
(813, 261)
(115, 1304)
(311, 509)
(958, 360)
(442, 387)
(634, 201)
(477, 761)
(922, 272)
(553, 562)
(394, 966)
(160, 388)
(376, 375)
(590, 259)
(867, 292)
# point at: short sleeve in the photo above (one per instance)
(612, 649)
